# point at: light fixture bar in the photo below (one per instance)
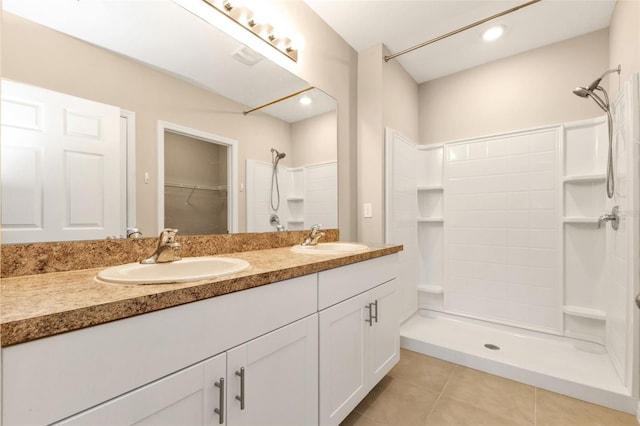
(387, 58)
(278, 100)
(281, 44)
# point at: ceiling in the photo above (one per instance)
(400, 24)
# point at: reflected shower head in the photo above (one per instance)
(278, 155)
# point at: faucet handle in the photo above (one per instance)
(316, 226)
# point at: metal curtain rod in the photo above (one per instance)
(387, 58)
(278, 100)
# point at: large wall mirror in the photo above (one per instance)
(79, 73)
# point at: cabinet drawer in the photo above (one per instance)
(336, 285)
(49, 379)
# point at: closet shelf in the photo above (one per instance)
(430, 188)
(430, 288)
(580, 219)
(199, 187)
(585, 178)
(430, 219)
(579, 311)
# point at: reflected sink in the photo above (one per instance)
(331, 248)
(185, 270)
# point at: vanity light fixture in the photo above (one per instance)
(245, 17)
(493, 33)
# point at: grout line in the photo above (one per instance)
(442, 392)
(535, 405)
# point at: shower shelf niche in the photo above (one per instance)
(585, 178)
(295, 198)
(580, 311)
(430, 219)
(431, 288)
(430, 188)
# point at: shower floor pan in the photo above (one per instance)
(577, 369)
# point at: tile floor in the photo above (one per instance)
(425, 391)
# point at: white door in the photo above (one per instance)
(344, 336)
(384, 342)
(188, 397)
(273, 380)
(61, 174)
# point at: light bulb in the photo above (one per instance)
(493, 33)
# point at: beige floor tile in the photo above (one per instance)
(491, 393)
(553, 409)
(397, 402)
(357, 419)
(449, 412)
(428, 372)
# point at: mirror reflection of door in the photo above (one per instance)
(195, 185)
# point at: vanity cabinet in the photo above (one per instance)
(359, 335)
(246, 385)
(48, 380)
(297, 352)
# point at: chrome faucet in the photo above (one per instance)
(167, 247)
(314, 236)
(613, 218)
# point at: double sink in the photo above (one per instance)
(204, 267)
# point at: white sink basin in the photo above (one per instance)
(331, 248)
(185, 270)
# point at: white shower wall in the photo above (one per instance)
(500, 227)
(308, 195)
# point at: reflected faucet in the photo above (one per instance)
(314, 236)
(613, 218)
(167, 248)
(275, 221)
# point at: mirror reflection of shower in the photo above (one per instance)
(589, 91)
(274, 202)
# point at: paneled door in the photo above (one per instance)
(61, 167)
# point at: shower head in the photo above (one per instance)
(277, 155)
(583, 92)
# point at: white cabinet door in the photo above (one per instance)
(188, 397)
(343, 358)
(384, 342)
(359, 344)
(280, 375)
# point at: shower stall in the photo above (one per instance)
(511, 257)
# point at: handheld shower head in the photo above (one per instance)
(278, 155)
(583, 92)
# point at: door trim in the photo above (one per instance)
(232, 168)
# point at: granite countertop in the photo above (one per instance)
(37, 306)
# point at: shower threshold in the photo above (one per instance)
(578, 369)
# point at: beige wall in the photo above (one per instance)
(624, 43)
(329, 63)
(387, 98)
(313, 140)
(523, 91)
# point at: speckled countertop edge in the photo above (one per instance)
(38, 306)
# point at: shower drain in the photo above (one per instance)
(492, 346)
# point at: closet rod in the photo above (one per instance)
(278, 100)
(194, 187)
(387, 58)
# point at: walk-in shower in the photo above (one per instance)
(274, 194)
(589, 91)
(505, 260)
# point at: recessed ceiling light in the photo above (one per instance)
(493, 33)
(305, 100)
